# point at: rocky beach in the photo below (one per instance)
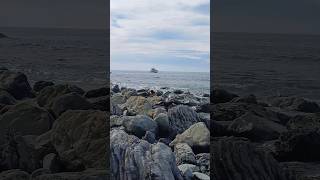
(274, 138)
(52, 131)
(159, 134)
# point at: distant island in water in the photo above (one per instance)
(153, 70)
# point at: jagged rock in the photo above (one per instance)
(187, 170)
(163, 124)
(256, 128)
(118, 99)
(181, 118)
(139, 125)
(158, 111)
(238, 159)
(70, 101)
(127, 93)
(14, 174)
(132, 158)
(295, 104)
(138, 104)
(6, 98)
(200, 176)
(47, 95)
(16, 84)
(299, 145)
(184, 154)
(79, 136)
(197, 137)
(221, 96)
(203, 162)
(89, 174)
(97, 93)
(39, 85)
(26, 119)
(51, 162)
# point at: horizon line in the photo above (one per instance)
(159, 71)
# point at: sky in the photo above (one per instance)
(267, 16)
(170, 35)
(84, 14)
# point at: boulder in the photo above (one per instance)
(39, 85)
(197, 137)
(256, 128)
(47, 95)
(181, 118)
(139, 125)
(118, 99)
(187, 170)
(79, 136)
(237, 159)
(97, 92)
(158, 111)
(16, 84)
(132, 158)
(116, 89)
(203, 162)
(162, 121)
(14, 174)
(101, 103)
(70, 101)
(26, 119)
(115, 109)
(221, 96)
(6, 98)
(150, 137)
(184, 154)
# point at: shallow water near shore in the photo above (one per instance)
(194, 82)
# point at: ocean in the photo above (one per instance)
(267, 64)
(72, 56)
(195, 82)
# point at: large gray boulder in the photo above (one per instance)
(79, 136)
(132, 158)
(26, 119)
(139, 125)
(181, 118)
(15, 83)
(197, 137)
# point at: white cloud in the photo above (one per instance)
(141, 27)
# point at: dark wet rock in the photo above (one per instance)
(184, 154)
(79, 136)
(14, 174)
(163, 124)
(116, 89)
(150, 137)
(200, 176)
(250, 99)
(139, 125)
(178, 91)
(49, 94)
(237, 159)
(101, 103)
(256, 128)
(159, 93)
(206, 95)
(181, 118)
(205, 108)
(39, 85)
(6, 98)
(203, 162)
(89, 174)
(132, 158)
(70, 101)
(299, 145)
(165, 141)
(295, 104)
(221, 96)
(52, 162)
(16, 84)
(197, 137)
(26, 119)
(97, 92)
(171, 100)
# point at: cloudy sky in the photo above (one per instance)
(171, 35)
